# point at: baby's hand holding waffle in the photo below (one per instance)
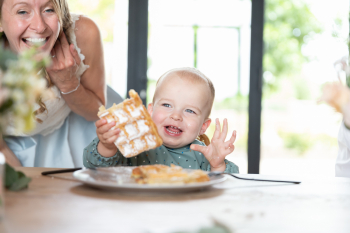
(218, 149)
(137, 134)
(107, 136)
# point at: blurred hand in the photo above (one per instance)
(337, 95)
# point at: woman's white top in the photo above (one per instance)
(60, 140)
(342, 165)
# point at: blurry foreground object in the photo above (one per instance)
(337, 94)
(21, 86)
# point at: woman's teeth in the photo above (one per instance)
(35, 40)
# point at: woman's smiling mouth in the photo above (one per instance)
(173, 130)
(34, 41)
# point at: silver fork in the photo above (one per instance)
(241, 178)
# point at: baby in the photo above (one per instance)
(180, 109)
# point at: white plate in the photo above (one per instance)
(119, 178)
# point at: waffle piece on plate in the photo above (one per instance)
(138, 131)
(162, 174)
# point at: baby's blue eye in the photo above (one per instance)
(166, 105)
(190, 111)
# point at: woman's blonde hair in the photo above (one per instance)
(193, 75)
(65, 20)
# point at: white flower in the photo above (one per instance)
(22, 86)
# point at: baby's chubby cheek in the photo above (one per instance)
(193, 127)
(157, 118)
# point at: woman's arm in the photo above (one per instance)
(10, 157)
(91, 93)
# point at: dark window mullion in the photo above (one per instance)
(255, 87)
(137, 47)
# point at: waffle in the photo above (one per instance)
(138, 132)
(162, 174)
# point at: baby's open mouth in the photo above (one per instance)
(35, 41)
(173, 129)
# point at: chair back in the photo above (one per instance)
(112, 97)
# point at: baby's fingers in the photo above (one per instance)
(105, 127)
(232, 140)
(100, 122)
(217, 129)
(224, 130)
(110, 136)
(233, 137)
(230, 149)
(199, 148)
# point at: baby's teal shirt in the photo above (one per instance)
(184, 157)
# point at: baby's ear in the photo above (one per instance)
(205, 126)
(150, 108)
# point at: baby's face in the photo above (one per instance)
(180, 110)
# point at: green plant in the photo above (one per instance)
(238, 102)
(20, 88)
(15, 180)
(289, 25)
(100, 11)
(297, 141)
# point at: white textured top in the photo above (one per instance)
(342, 165)
(57, 108)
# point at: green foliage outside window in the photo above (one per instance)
(289, 25)
(101, 11)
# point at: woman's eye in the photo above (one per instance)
(190, 111)
(166, 105)
(50, 10)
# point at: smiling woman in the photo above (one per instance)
(76, 80)
(20, 19)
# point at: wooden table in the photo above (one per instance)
(58, 205)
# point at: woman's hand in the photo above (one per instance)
(107, 135)
(337, 95)
(218, 149)
(65, 62)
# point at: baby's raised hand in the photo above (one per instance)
(107, 136)
(218, 149)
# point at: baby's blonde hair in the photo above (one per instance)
(193, 75)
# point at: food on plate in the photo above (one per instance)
(138, 131)
(162, 174)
